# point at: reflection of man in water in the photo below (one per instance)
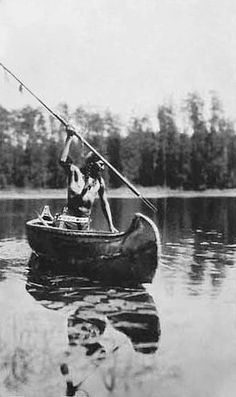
(94, 334)
(105, 321)
(83, 186)
(85, 332)
(71, 389)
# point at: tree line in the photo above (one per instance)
(198, 156)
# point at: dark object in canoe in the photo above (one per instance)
(126, 257)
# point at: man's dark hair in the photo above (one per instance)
(91, 158)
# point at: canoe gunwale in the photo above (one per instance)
(34, 224)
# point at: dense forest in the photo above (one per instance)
(199, 156)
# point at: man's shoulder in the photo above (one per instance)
(69, 166)
(74, 167)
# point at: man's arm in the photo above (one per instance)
(68, 141)
(65, 161)
(106, 207)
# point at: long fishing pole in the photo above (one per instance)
(79, 136)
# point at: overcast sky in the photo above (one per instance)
(126, 55)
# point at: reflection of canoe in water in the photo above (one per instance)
(131, 311)
(107, 328)
(130, 256)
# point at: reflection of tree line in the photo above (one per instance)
(179, 219)
(176, 217)
(200, 229)
(15, 213)
(12, 218)
(96, 312)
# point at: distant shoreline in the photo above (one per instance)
(123, 192)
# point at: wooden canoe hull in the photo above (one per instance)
(130, 256)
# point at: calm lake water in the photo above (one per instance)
(175, 338)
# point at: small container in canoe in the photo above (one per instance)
(123, 257)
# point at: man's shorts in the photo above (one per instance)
(73, 222)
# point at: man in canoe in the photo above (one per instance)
(83, 186)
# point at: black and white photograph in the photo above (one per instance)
(117, 198)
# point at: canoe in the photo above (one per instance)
(124, 257)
